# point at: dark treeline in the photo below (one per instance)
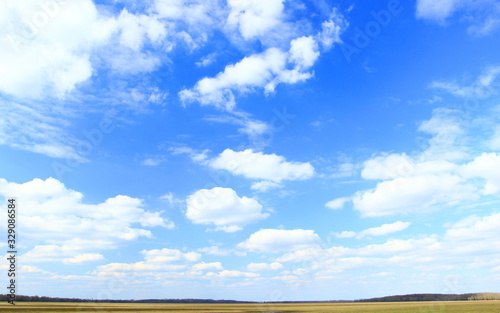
(21, 298)
(436, 297)
(399, 298)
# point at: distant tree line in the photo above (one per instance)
(399, 298)
(21, 298)
(435, 297)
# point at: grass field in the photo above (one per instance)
(386, 307)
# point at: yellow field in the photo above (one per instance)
(386, 307)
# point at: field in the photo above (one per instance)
(385, 307)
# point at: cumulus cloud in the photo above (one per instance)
(207, 266)
(119, 268)
(50, 51)
(227, 274)
(487, 167)
(382, 230)
(475, 228)
(57, 216)
(169, 255)
(223, 208)
(338, 203)
(445, 173)
(264, 20)
(390, 166)
(279, 240)
(254, 18)
(215, 250)
(303, 52)
(136, 29)
(263, 70)
(412, 194)
(257, 165)
(161, 264)
(51, 253)
(258, 267)
(45, 47)
(83, 258)
(256, 70)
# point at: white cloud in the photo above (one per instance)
(56, 215)
(118, 268)
(303, 52)
(194, 155)
(385, 229)
(475, 228)
(223, 208)
(279, 240)
(387, 166)
(169, 255)
(35, 128)
(286, 278)
(253, 128)
(265, 185)
(412, 194)
(171, 198)
(264, 70)
(46, 47)
(258, 267)
(226, 274)
(382, 230)
(345, 234)
(199, 15)
(83, 258)
(160, 264)
(338, 203)
(256, 70)
(215, 250)
(50, 253)
(78, 40)
(345, 169)
(152, 161)
(447, 132)
(135, 29)
(486, 166)
(254, 18)
(257, 165)
(207, 266)
(332, 29)
(479, 89)
(206, 60)
(447, 172)
(32, 269)
(390, 166)
(436, 10)
(483, 15)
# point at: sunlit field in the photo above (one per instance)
(387, 307)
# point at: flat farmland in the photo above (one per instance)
(386, 307)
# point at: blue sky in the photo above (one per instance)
(252, 150)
